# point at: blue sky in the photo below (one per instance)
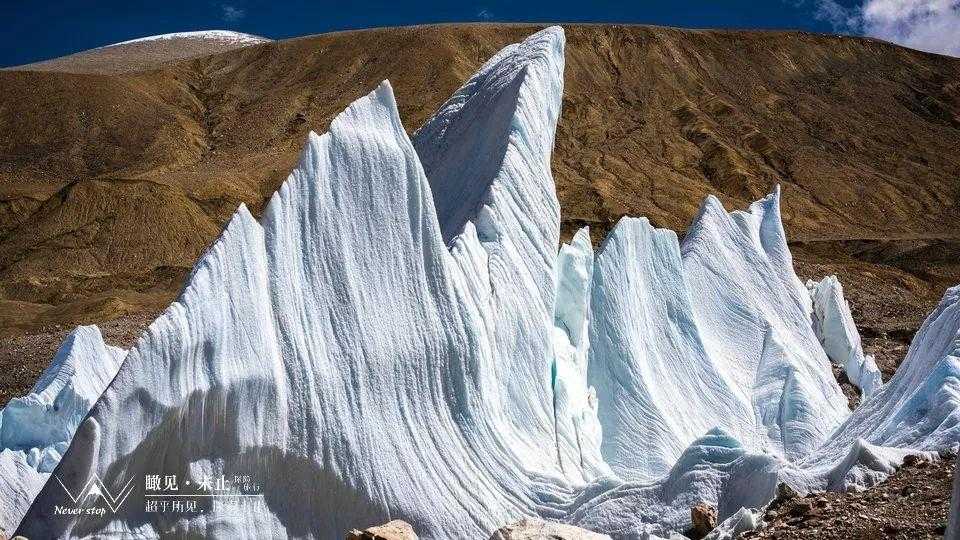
(31, 31)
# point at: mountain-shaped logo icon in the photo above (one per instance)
(96, 488)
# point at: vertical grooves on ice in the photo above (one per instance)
(427, 355)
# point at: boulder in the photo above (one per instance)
(704, 519)
(394, 530)
(785, 493)
(538, 529)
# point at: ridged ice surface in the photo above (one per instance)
(833, 324)
(399, 338)
(36, 429)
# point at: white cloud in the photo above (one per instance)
(928, 25)
(841, 18)
(233, 13)
(485, 14)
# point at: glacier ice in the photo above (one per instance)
(833, 324)
(36, 429)
(744, 520)
(953, 527)
(399, 338)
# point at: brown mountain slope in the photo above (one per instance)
(145, 53)
(111, 184)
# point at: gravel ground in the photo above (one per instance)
(23, 358)
(912, 504)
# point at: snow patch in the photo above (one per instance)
(224, 36)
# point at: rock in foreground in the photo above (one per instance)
(704, 519)
(538, 529)
(394, 530)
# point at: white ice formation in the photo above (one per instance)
(953, 527)
(743, 520)
(35, 430)
(400, 339)
(833, 324)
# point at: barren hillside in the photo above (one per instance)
(117, 171)
(149, 52)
